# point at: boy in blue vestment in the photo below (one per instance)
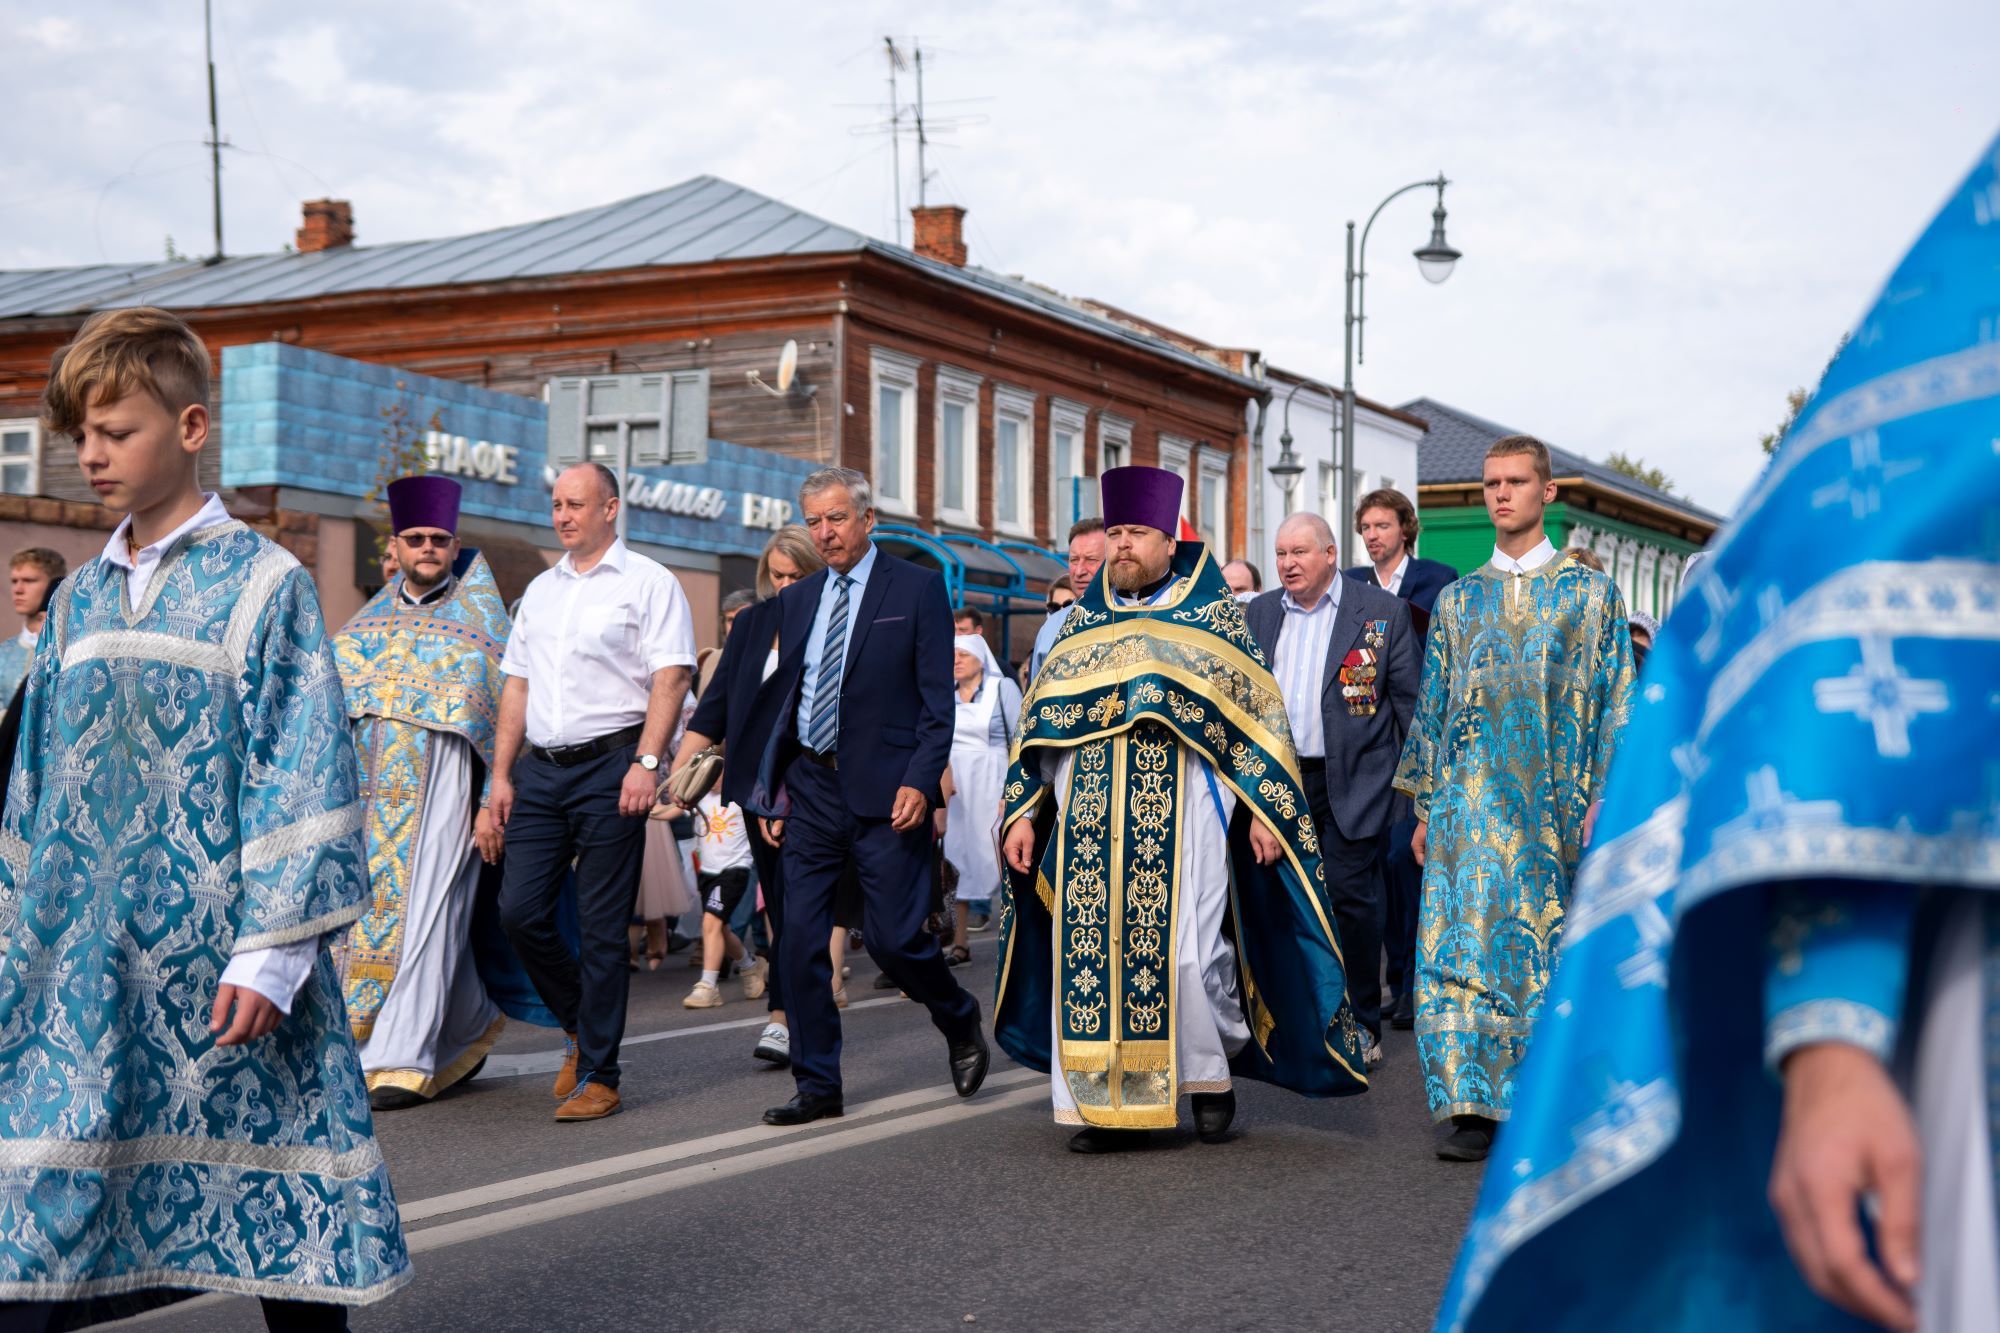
(180, 1101)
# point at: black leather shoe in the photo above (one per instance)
(1405, 1016)
(1469, 1141)
(1213, 1112)
(394, 1099)
(1095, 1140)
(968, 1062)
(804, 1109)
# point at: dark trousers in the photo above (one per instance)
(1354, 888)
(822, 837)
(1403, 879)
(279, 1316)
(771, 879)
(560, 815)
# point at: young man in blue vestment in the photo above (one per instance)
(180, 1101)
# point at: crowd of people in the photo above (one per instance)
(1224, 833)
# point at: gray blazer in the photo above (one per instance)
(1361, 752)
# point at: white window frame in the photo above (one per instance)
(1017, 407)
(1214, 468)
(959, 388)
(1329, 491)
(893, 370)
(1177, 457)
(1072, 419)
(32, 459)
(1114, 442)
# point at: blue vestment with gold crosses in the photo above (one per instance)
(1155, 701)
(1527, 684)
(1800, 843)
(184, 791)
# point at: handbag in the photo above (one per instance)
(693, 780)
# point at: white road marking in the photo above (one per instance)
(482, 1226)
(548, 1062)
(520, 1187)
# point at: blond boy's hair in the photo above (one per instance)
(1512, 446)
(49, 562)
(117, 352)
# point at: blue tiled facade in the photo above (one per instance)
(295, 417)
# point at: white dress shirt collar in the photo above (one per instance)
(1330, 597)
(430, 596)
(1527, 564)
(140, 565)
(612, 559)
(1395, 583)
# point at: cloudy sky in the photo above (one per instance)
(1669, 213)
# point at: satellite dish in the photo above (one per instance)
(788, 365)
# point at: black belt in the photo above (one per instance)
(823, 760)
(1309, 765)
(569, 756)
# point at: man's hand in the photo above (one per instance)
(501, 800)
(255, 1016)
(1846, 1135)
(909, 810)
(774, 830)
(938, 821)
(635, 796)
(488, 836)
(1019, 845)
(1420, 840)
(1590, 821)
(1264, 844)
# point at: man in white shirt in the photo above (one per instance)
(1086, 555)
(597, 670)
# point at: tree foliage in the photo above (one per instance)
(1636, 469)
(403, 453)
(1796, 400)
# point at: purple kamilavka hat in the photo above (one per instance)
(1149, 496)
(423, 502)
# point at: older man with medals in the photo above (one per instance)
(1153, 810)
(421, 666)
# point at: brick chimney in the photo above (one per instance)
(328, 223)
(940, 233)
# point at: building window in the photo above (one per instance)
(1071, 493)
(1213, 519)
(1177, 457)
(958, 446)
(1114, 442)
(631, 421)
(1013, 460)
(20, 460)
(1329, 491)
(892, 380)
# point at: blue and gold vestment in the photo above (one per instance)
(1807, 795)
(1527, 683)
(414, 674)
(184, 791)
(1144, 695)
(16, 656)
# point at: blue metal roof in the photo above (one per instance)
(700, 221)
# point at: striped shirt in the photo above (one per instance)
(1300, 666)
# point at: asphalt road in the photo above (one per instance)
(916, 1211)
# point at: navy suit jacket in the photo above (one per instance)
(739, 707)
(896, 708)
(1361, 752)
(1422, 582)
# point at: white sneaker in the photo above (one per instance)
(1371, 1050)
(705, 995)
(774, 1045)
(754, 977)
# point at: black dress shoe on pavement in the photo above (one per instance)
(1405, 1016)
(968, 1062)
(1469, 1141)
(394, 1099)
(1094, 1140)
(883, 981)
(1213, 1112)
(804, 1109)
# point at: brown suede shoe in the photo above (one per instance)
(592, 1101)
(566, 1076)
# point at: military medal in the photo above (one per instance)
(1358, 686)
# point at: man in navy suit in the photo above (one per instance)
(858, 743)
(1387, 523)
(1345, 658)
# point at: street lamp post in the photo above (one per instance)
(1287, 470)
(1434, 261)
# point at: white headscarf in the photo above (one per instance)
(975, 719)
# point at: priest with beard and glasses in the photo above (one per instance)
(1165, 928)
(421, 667)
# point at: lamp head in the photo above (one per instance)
(1435, 259)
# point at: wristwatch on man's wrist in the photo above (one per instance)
(649, 762)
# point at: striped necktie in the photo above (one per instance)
(824, 733)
